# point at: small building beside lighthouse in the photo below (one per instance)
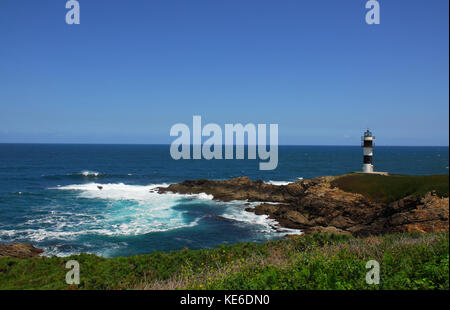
(367, 144)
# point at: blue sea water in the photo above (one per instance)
(49, 195)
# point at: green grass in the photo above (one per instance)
(392, 187)
(408, 261)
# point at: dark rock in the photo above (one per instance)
(19, 250)
(314, 205)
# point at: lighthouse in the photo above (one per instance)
(367, 144)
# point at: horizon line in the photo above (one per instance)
(168, 144)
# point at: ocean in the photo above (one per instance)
(49, 195)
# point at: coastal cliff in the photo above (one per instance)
(319, 204)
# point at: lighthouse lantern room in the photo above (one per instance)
(367, 144)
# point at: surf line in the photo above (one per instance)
(212, 147)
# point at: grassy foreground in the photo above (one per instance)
(392, 187)
(408, 261)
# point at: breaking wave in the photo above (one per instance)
(263, 222)
(98, 212)
(82, 175)
(117, 210)
(88, 173)
(283, 182)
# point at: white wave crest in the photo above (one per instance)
(88, 173)
(121, 191)
(282, 182)
(268, 226)
(278, 182)
(119, 209)
(127, 210)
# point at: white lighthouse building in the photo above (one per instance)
(367, 144)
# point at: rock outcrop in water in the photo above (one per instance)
(19, 250)
(315, 205)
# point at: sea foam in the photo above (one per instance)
(112, 210)
(283, 182)
(126, 210)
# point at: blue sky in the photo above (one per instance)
(134, 68)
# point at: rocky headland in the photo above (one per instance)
(317, 205)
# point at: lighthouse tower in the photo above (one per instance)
(367, 144)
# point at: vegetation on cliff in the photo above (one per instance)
(390, 188)
(319, 261)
